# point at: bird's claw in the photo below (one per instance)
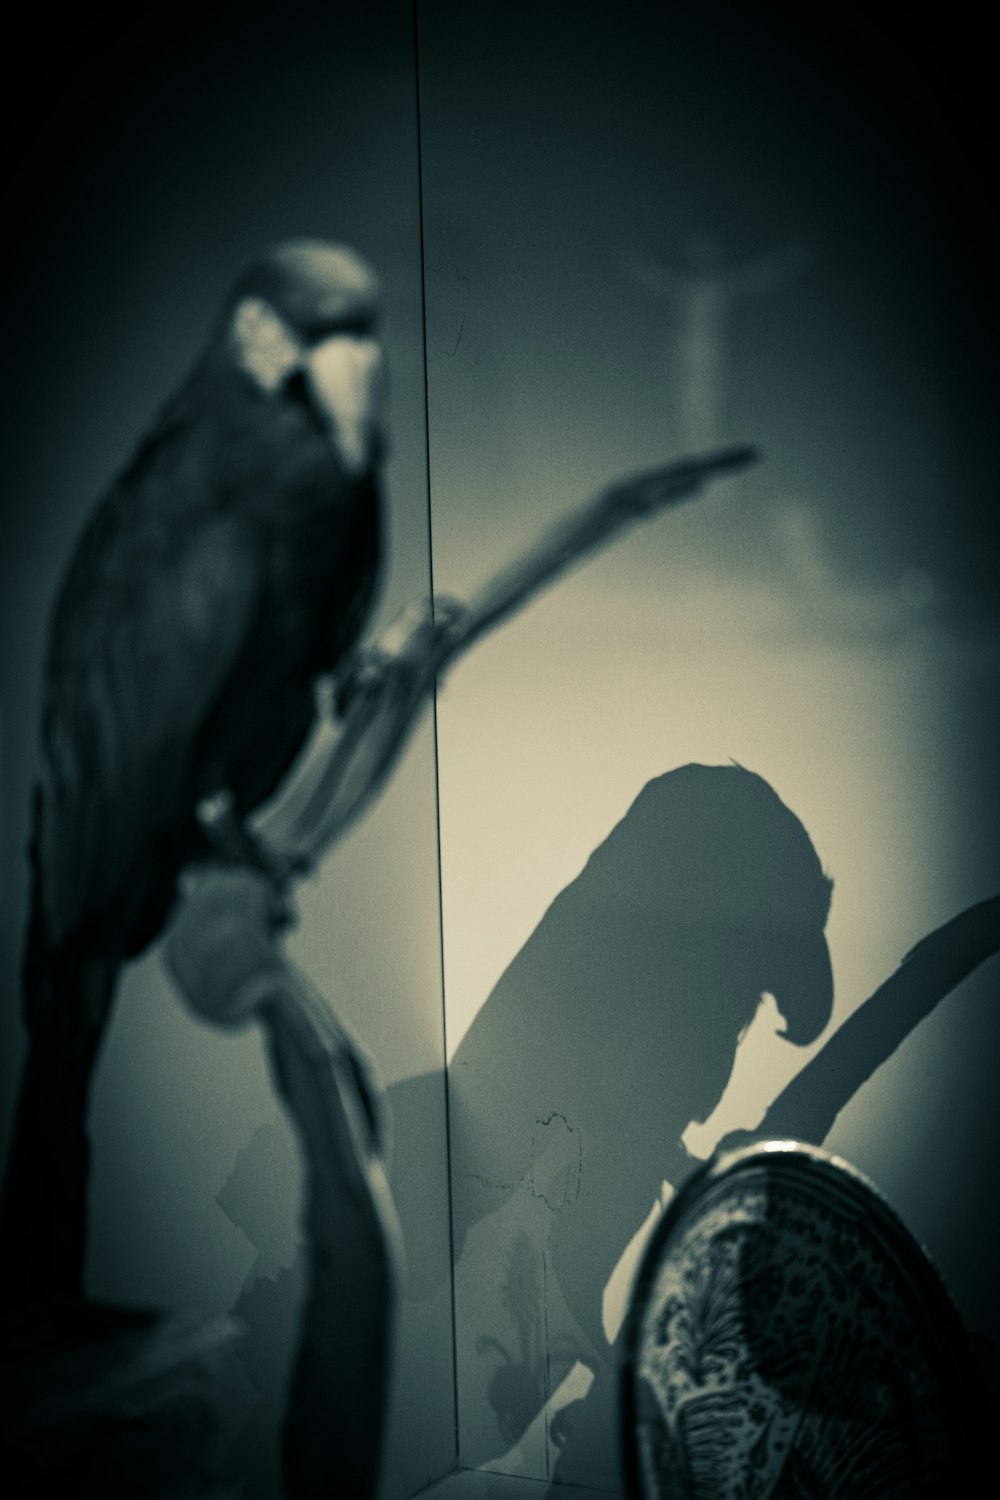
(419, 628)
(409, 650)
(234, 844)
(218, 819)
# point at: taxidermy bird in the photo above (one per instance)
(233, 563)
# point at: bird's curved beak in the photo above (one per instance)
(346, 375)
(803, 988)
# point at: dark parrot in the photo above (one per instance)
(232, 563)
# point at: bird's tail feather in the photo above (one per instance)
(43, 1215)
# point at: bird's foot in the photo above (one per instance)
(234, 843)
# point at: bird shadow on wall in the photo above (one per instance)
(613, 1029)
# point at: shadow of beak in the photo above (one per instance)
(804, 990)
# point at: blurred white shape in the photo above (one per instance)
(828, 600)
(701, 288)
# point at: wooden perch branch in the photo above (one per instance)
(386, 686)
(807, 1107)
(222, 950)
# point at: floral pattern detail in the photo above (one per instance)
(794, 1341)
(519, 1385)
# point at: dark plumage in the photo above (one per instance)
(232, 562)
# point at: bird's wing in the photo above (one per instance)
(147, 634)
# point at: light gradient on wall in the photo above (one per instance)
(822, 621)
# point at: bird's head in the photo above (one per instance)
(736, 901)
(302, 324)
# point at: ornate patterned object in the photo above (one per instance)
(788, 1337)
